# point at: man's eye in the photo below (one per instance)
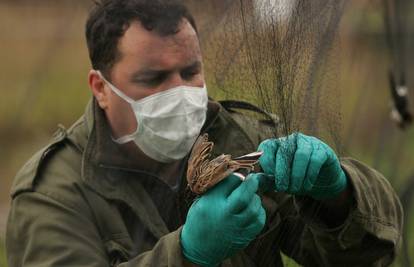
(151, 81)
(188, 75)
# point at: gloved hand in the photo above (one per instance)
(223, 221)
(303, 165)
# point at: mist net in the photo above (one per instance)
(280, 56)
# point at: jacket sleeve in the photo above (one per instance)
(43, 231)
(370, 236)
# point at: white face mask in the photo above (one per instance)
(169, 122)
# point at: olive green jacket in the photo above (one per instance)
(81, 201)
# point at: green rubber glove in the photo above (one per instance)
(303, 165)
(223, 221)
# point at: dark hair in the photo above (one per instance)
(109, 20)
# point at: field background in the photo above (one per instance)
(43, 82)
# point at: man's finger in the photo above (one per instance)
(300, 164)
(267, 160)
(250, 213)
(317, 160)
(226, 186)
(266, 182)
(282, 173)
(240, 198)
(284, 159)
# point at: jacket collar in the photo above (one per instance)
(101, 152)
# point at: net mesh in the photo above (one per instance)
(284, 57)
(281, 56)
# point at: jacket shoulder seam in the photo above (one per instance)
(54, 198)
(24, 180)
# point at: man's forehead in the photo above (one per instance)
(149, 47)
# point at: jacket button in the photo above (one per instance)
(60, 132)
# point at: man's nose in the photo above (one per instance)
(177, 80)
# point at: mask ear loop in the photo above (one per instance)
(116, 90)
(124, 139)
(130, 137)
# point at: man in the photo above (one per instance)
(111, 190)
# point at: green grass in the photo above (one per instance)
(3, 262)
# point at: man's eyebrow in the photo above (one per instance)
(144, 73)
(196, 64)
(148, 73)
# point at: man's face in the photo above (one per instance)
(148, 64)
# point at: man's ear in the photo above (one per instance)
(99, 88)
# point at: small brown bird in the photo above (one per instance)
(203, 173)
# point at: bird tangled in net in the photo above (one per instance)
(203, 173)
(279, 55)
